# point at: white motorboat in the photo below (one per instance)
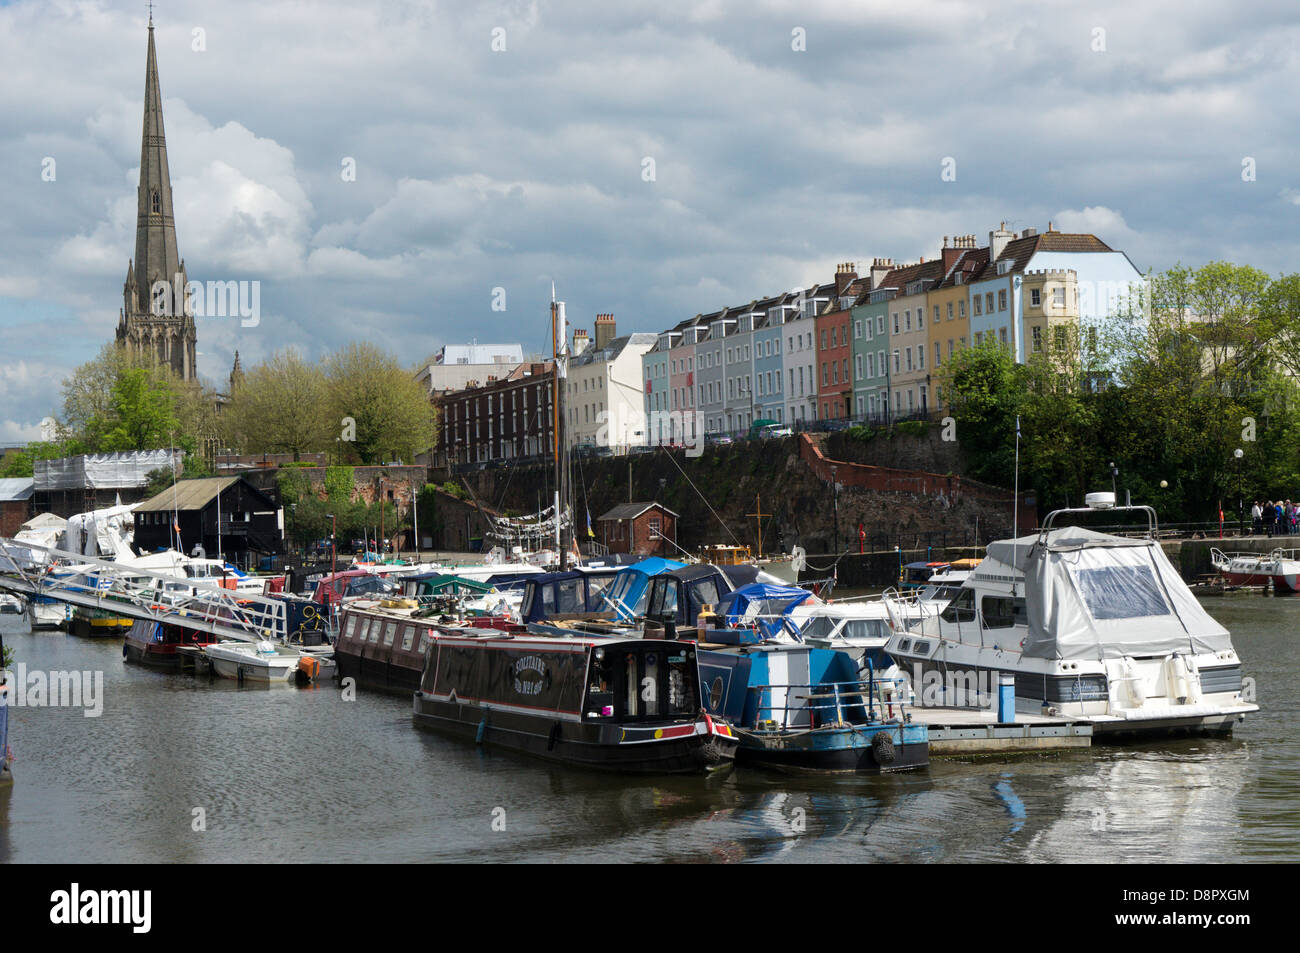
(46, 613)
(1094, 627)
(254, 661)
(11, 604)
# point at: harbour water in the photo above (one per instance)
(183, 769)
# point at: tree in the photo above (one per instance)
(282, 406)
(378, 404)
(141, 414)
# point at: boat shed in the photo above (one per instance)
(221, 515)
(647, 529)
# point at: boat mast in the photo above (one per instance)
(558, 334)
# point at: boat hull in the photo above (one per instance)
(600, 747)
(837, 750)
(253, 670)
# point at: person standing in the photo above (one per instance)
(1256, 519)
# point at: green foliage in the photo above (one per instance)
(453, 488)
(339, 483)
(1167, 395)
(913, 428)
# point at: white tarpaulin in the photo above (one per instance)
(106, 532)
(1092, 595)
(107, 471)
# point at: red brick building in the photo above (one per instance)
(834, 361)
(497, 419)
(15, 504)
(647, 529)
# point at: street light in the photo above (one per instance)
(333, 534)
(1241, 504)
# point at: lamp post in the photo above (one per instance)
(333, 544)
(835, 492)
(1241, 511)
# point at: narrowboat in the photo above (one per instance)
(382, 648)
(98, 623)
(626, 706)
(156, 643)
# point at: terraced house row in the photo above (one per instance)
(868, 348)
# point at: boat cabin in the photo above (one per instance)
(574, 592)
(682, 595)
(915, 575)
(351, 583)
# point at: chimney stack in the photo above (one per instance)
(951, 254)
(880, 267)
(845, 274)
(580, 341)
(998, 241)
(605, 329)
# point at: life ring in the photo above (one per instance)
(882, 747)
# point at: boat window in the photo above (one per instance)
(1120, 592)
(650, 684)
(961, 609)
(904, 645)
(1002, 612)
(351, 629)
(921, 647)
(706, 593)
(682, 685)
(631, 705)
(866, 629)
(375, 626)
(408, 636)
(424, 640)
(570, 597)
(389, 632)
(600, 689)
(819, 627)
(596, 587)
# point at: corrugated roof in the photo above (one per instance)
(187, 495)
(16, 489)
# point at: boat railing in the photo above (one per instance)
(825, 703)
(904, 608)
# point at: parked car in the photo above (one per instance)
(770, 431)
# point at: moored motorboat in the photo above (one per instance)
(261, 661)
(1094, 627)
(627, 706)
(46, 613)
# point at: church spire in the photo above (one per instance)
(156, 258)
(159, 329)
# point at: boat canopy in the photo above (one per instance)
(763, 604)
(449, 584)
(1093, 595)
(626, 597)
(573, 591)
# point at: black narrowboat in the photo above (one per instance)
(382, 648)
(626, 706)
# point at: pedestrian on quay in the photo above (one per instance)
(1256, 519)
(1278, 526)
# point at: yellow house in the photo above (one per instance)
(1051, 303)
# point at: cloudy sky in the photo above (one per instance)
(654, 159)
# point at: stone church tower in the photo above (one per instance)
(156, 321)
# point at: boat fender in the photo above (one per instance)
(554, 737)
(882, 747)
(482, 730)
(123, 650)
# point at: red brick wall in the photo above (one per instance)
(13, 515)
(888, 480)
